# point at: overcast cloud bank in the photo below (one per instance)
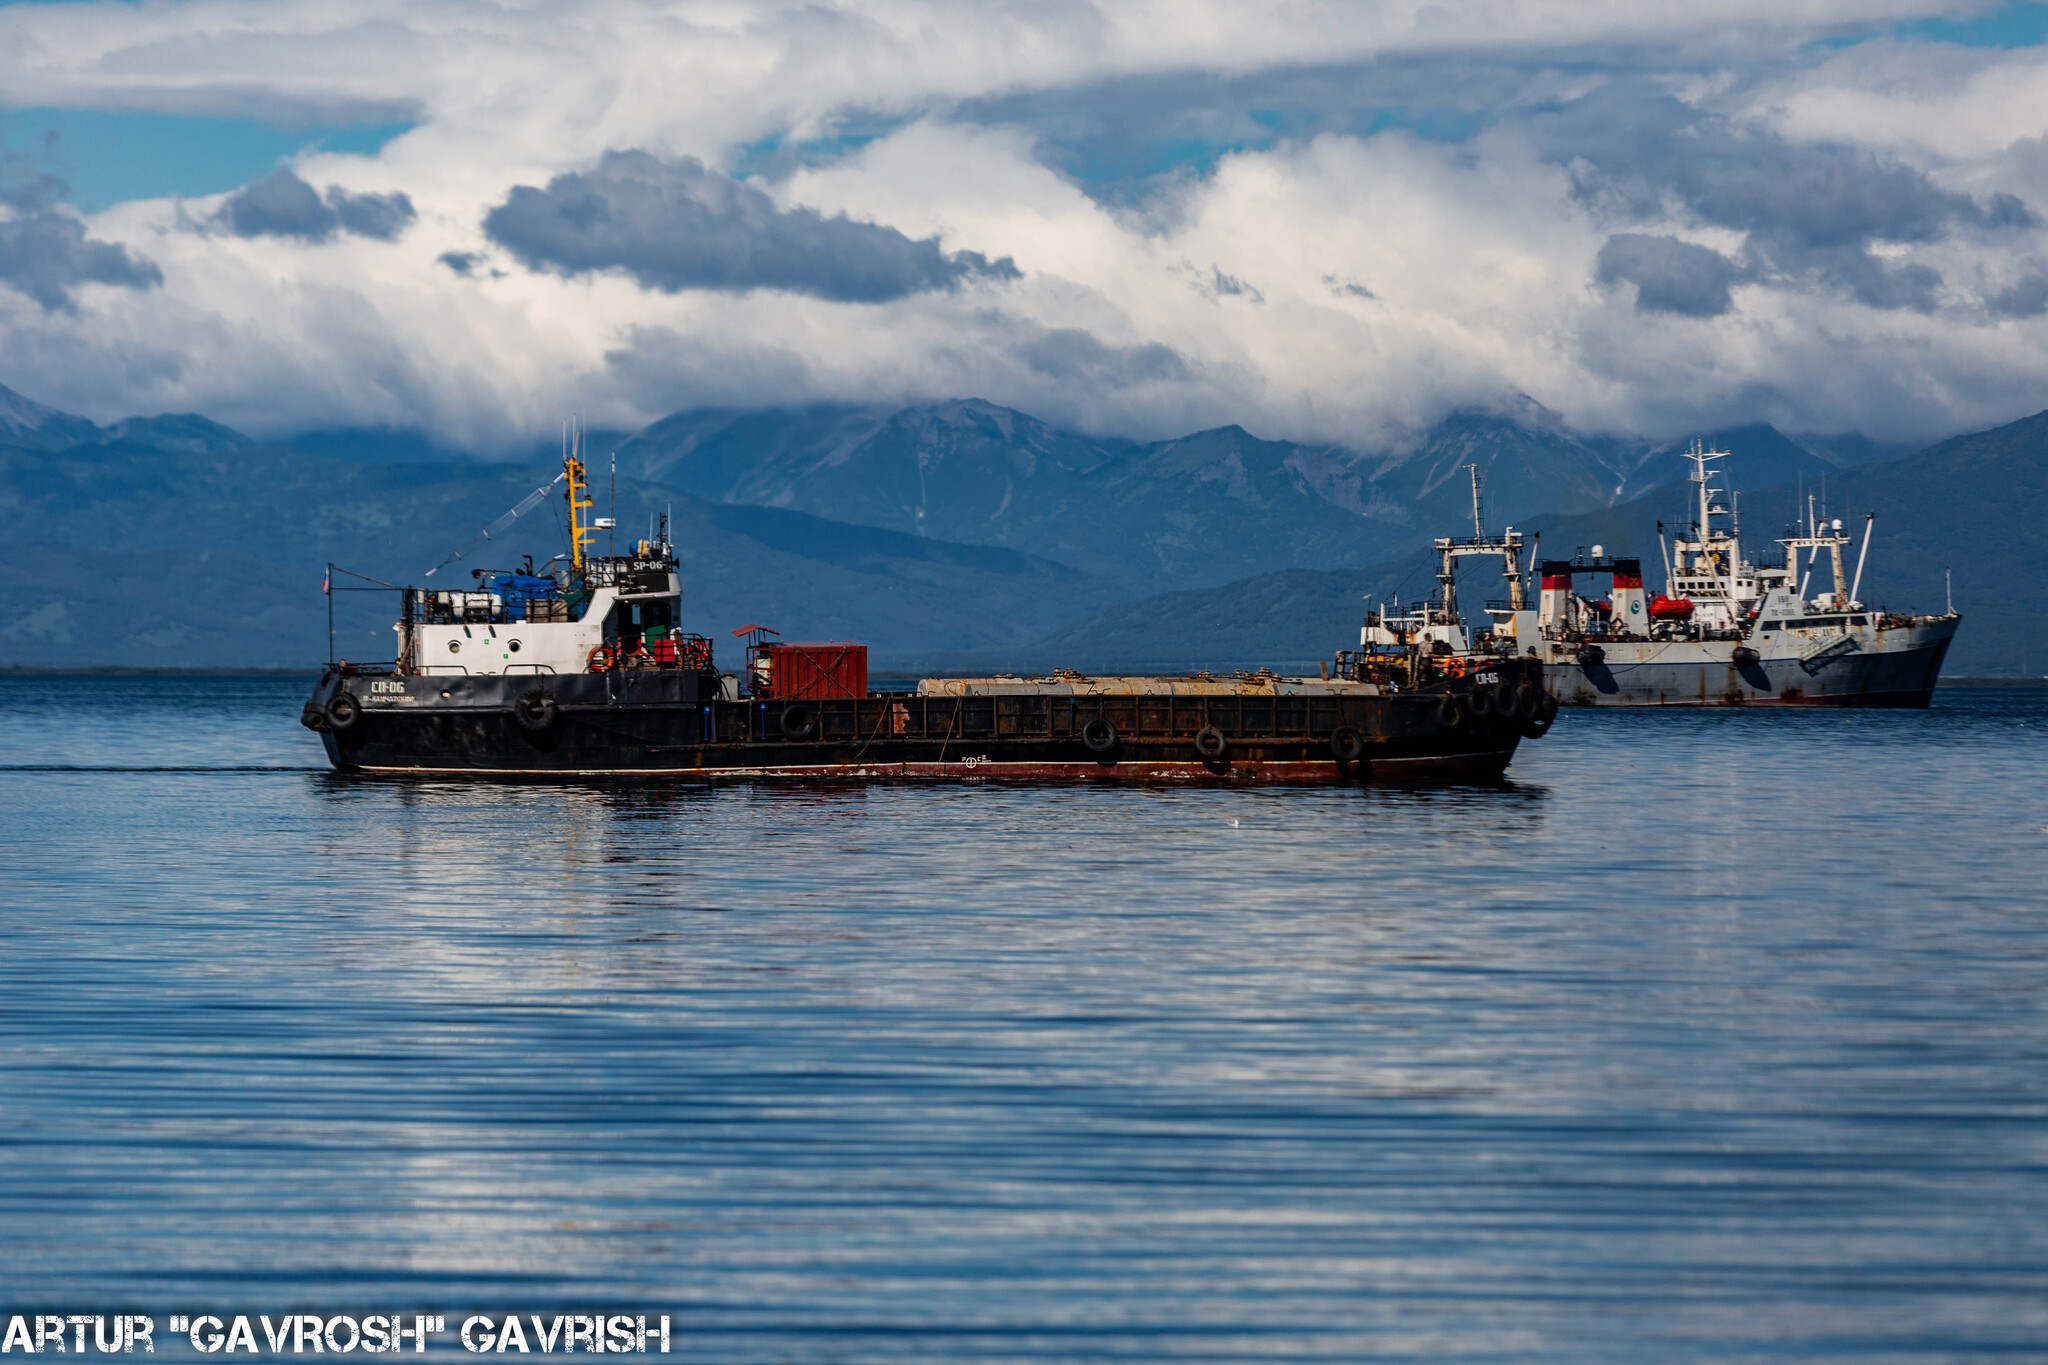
(1326, 222)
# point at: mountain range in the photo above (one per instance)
(957, 533)
(1202, 509)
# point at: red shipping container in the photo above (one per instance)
(808, 672)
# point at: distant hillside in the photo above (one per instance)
(1201, 509)
(1977, 504)
(174, 542)
(1760, 454)
(1205, 508)
(1281, 620)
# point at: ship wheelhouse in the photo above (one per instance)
(615, 612)
(580, 613)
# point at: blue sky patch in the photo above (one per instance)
(2019, 23)
(776, 156)
(110, 158)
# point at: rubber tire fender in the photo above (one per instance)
(1346, 745)
(1211, 743)
(1450, 713)
(799, 722)
(1529, 701)
(1099, 735)
(536, 710)
(1480, 703)
(343, 710)
(1538, 725)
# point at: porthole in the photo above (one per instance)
(455, 646)
(514, 646)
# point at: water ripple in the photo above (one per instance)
(1705, 1038)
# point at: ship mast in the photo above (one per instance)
(1507, 545)
(1729, 547)
(580, 535)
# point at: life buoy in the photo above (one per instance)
(1345, 744)
(1449, 713)
(1454, 667)
(536, 710)
(343, 710)
(798, 722)
(601, 659)
(1099, 735)
(1211, 743)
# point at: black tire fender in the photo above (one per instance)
(1529, 702)
(1346, 745)
(799, 722)
(1211, 743)
(1480, 702)
(1099, 735)
(343, 710)
(536, 710)
(1450, 713)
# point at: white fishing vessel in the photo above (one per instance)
(1725, 631)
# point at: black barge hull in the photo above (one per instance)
(672, 724)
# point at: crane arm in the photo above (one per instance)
(497, 528)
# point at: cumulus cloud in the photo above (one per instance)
(1069, 353)
(2026, 299)
(282, 205)
(675, 225)
(1670, 276)
(1810, 210)
(45, 251)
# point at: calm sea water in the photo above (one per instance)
(1707, 1037)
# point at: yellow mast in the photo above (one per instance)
(579, 534)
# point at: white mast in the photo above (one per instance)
(1862, 554)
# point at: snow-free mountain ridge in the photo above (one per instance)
(926, 531)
